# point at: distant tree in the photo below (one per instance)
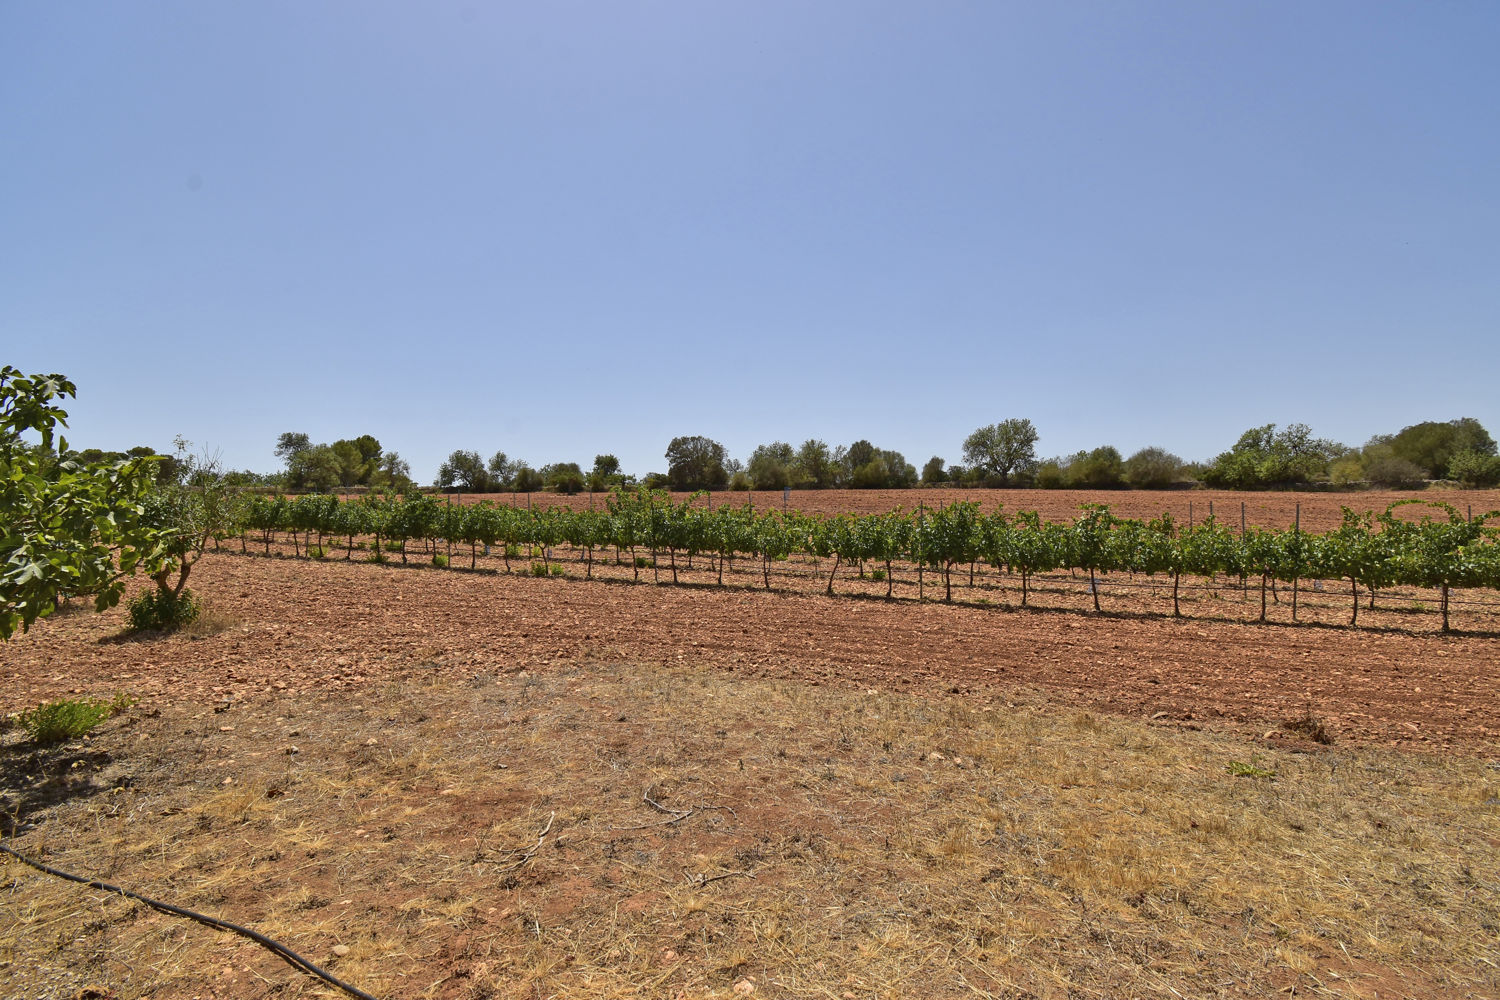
(351, 463)
(1152, 468)
(860, 453)
(1099, 469)
(1431, 445)
(1003, 450)
(564, 477)
(933, 472)
(394, 472)
(605, 474)
(1263, 457)
(526, 479)
(813, 466)
(1474, 469)
(770, 466)
(316, 468)
(464, 472)
(290, 443)
(695, 463)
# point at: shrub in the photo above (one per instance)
(158, 609)
(439, 560)
(58, 721)
(556, 569)
(1473, 469)
(644, 562)
(1397, 473)
(538, 568)
(315, 552)
(377, 557)
(1152, 468)
(393, 546)
(877, 574)
(513, 551)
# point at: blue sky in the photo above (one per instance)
(562, 229)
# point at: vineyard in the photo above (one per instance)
(1410, 551)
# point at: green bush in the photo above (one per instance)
(877, 574)
(513, 551)
(556, 569)
(59, 721)
(440, 560)
(393, 546)
(158, 609)
(538, 568)
(315, 552)
(377, 557)
(644, 562)
(1474, 469)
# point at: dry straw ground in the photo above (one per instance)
(843, 843)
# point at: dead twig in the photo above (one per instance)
(677, 815)
(526, 854)
(700, 880)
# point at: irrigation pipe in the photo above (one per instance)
(293, 959)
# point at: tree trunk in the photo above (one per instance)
(837, 558)
(1445, 607)
(1094, 588)
(1354, 592)
(890, 578)
(1263, 597)
(1176, 582)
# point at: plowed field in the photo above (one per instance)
(1320, 511)
(298, 625)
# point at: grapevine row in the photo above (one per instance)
(1442, 550)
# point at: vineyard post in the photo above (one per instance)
(1297, 535)
(1190, 514)
(1244, 580)
(1210, 510)
(919, 551)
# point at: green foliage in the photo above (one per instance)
(1152, 469)
(1264, 457)
(556, 569)
(696, 463)
(1431, 445)
(439, 560)
(1240, 769)
(538, 568)
(1397, 473)
(161, 609)
(1004, 451)
(1475, 470)
(67, 527)
(69, 718)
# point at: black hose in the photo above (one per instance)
(293, 959)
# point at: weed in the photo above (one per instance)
(644, 562)
(315, 552)
(69, 718)
(556, 569)
(1240, 769)
(538, 568)
(210, 620)
(439, 560)
(377, 557)
(1310, 726)
(393, 546)
(877, 574)
(158, 609)
(513, 551)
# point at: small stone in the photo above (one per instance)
(341, 950)
(744, 988)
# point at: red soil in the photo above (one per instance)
(297, 625)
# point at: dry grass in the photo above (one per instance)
(873, 844)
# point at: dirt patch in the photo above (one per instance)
(294, 626)
(469, 832)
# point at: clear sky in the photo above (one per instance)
(558, 229)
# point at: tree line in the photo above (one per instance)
(1004, 455)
